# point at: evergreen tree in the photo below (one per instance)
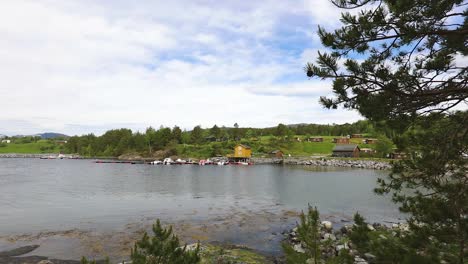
(196, 136)
(400, 67)
(215, 131)
(177, 134)
(162, 248)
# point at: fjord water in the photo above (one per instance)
(38, 195)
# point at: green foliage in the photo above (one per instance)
(162, 248)
(407, 80)
(196, 136)
(384, 146)
(86, 261)
(391, 246)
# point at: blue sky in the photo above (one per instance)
(87, 66)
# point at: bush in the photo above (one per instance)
(161, 248)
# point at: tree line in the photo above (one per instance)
(119, 141)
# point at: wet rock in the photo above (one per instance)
(18, 251)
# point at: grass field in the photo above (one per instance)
(41, 146)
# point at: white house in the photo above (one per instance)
(6, 141)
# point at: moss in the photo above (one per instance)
(229, 254)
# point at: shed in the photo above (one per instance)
(277, 153)
(357, 136)
(346, 150)
(341, 140)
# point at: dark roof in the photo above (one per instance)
(345, 147)
(244, 146)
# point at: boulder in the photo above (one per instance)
(298, 248)
(327, 225)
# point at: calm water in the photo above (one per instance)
(40, 195)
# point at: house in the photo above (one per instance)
(61, 142)
(357, 136)
(315, 139)
(367, 150)
(242, 153)
(370, 140)
(276, 154)
(346, 150)
(341, 140)
(7, 141)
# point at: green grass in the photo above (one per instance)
(41, 146)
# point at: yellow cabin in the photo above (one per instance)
(242, 151)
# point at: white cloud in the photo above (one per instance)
(82, 66)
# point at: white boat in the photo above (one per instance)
(202, 162)
(156, 162)
(168, 161)
(221, 163)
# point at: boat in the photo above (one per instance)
(168, 161)
(156, 162)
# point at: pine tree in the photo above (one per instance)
(401, 66)
(162, 248)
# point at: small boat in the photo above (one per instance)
(221, 163)
(156, 162)
(168, 161)
(202, 162)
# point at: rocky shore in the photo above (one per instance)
(335, 240)
(350, 163)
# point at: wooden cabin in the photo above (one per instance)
(346, 151)
(341, 140)
(276, 154)
(370, 140)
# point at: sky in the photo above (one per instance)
(87, 66)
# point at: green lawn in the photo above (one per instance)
(41, 146)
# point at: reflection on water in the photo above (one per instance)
(56, 194)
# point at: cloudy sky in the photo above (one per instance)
(91, 65)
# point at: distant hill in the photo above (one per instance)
(48, 135)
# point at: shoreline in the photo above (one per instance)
(304, 161)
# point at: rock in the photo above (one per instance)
(359, 260)
(18, 251)
(192, 247)
(341, 247)
(370, 227)
(45, 262)
(298, 248)
(369, 256)
(382, 236)
(327, 225)
(395, 226)
(328, 236)
(344, 230)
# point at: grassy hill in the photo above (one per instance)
(41, 146)
(263, 145)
